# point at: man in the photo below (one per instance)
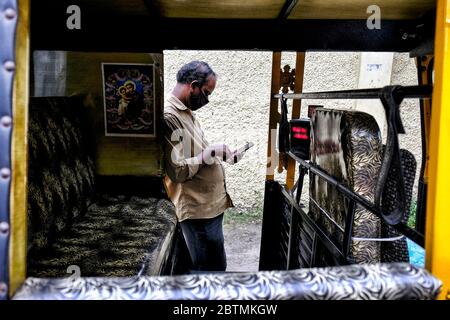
(195, 179)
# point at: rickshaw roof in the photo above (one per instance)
(144, 25)
(264, 9)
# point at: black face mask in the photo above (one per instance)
(198, 101)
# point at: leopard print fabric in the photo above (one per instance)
(347, 145)
(392, 281)
(397, 251)
(69, 223)
(118, 236)
(61, 172)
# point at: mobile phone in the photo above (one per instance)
(242, 149)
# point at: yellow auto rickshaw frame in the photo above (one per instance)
(438, 201)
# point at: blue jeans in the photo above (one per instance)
(204, 239)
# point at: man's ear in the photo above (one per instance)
(194, 84)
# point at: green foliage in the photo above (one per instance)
(254, 215)
(412, 215)
(243, 216)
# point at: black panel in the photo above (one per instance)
(271, 228)
(101, 31)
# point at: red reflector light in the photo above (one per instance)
(299, 129)
(301, 136)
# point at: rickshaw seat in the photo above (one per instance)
(348, 146)
(71, 221)
(393, 281)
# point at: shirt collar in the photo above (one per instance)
(177, 103)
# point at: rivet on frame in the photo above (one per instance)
(6, 121)
(3, 288)
(5, 173)
(4, 227)
(9, 65)
(10, 13)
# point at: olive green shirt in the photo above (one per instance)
(198, 191)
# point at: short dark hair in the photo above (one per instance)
(195, 70)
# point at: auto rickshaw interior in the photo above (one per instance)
(95, 197)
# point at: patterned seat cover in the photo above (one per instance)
(69, 222)
(348, 146)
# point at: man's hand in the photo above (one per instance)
(216, 150)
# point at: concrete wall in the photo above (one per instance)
(239, 107)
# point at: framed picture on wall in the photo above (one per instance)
(129, 99)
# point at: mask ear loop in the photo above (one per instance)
(204, 95)
(197, 84)
(194, 84)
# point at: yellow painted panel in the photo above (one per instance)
(114, 155)
(357, 9)
(438, 201)
(261, 9)
(18, 200)
(229, 9)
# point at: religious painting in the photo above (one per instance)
(129, 99)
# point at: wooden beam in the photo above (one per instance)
(296, 109)
(272, 154)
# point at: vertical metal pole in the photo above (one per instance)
(273, 114)
(301, 178)
(438, 205)
(347, 242)
(423, 68)
(292, 262)
(293, 231)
